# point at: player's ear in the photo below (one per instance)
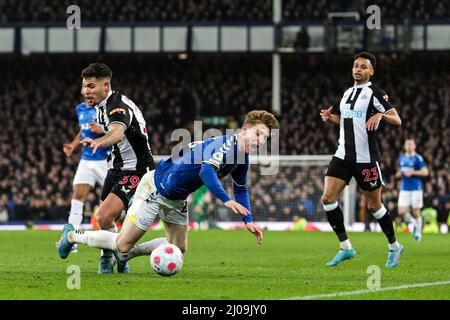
(107, 85)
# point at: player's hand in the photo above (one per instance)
(253, 228)
(326, 114)
(68, 149)
(95, 128)
(90, 143)
(373, 122)
(236, 207)
(408, 173)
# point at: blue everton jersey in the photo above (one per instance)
(414, 162)
(203, 163)
(86, 115)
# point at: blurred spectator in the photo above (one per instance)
(302, 39)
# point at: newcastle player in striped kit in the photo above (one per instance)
(361, 110)
(130, 158)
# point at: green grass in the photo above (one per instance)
(227, 265)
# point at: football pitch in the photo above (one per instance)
(230, 265)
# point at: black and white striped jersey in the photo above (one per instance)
(133, 153)
(357, 106)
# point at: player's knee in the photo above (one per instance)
(326, 199)
(79, 195)
(373, 207)
(105, 220)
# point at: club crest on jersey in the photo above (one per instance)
(117, 110)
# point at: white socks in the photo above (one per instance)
(106, 253)
(76, 213)
(346, 245)
(393, 246)
(443, 228)
(419, 224)
(97, 239)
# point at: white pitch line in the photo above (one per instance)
(350, 293)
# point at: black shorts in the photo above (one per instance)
(367, 175)
(122, 183)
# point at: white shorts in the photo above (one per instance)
(143, 212)
(413, 199)
(91, 172)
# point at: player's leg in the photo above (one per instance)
(80, 192)
(109, 209)
(405, 201)
(177, 234)
(141, 214)
(175, 217)
(121, 242)
(379, 211)
(337, 177)
(370, 181)
(417, 204)
(83, 181)
(137, 222)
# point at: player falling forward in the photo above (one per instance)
(361, 109)
(164, 191)
(92, 167)
(125, 130)
(412, 170)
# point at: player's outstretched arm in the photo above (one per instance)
(326, 115)
(70, 147)
(242, 196)
(210, 180)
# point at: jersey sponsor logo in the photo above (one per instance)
(117, 110)
(217, 157)
(351, 114)
(125, 190)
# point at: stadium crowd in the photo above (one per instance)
(37, 118)
(212, 10)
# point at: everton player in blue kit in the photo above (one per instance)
(412, 170)
(164, 191)
(92, 168)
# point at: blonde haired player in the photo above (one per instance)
(164, 191)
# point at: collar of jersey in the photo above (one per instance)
(103, 102)
(363, 85)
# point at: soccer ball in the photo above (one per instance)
(166, 259)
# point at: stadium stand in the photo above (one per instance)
(38, 117)
(212, 10)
